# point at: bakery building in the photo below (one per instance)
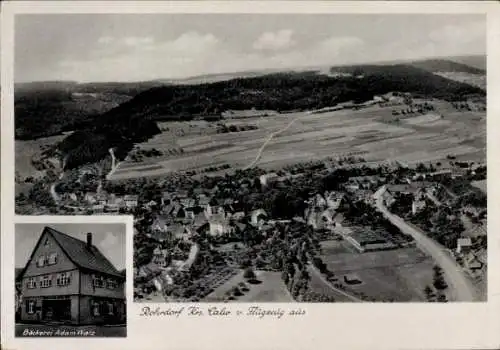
(68, 280)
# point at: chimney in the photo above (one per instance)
(89, 240)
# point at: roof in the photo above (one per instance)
(464, 242)
(77, 252)
(365, 236)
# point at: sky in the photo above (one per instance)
(137, 47)
(108, 238)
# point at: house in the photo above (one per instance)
(352, 278)
(219, 225)
(69, 280)
(181, 231)
(203, 201)
(334, 199)
(463, 245)
(151, 204)
(238, 215)
(102, 199)
(98, 208)
(160, 257)
(474, 264)
(258, 216)
(214, 210)
(388, 198)
(90, 198)
(131, 201)
(417, 205)
(166, 198)
(160, 224)
(319, 201)
(266, 179)
(187, 202)
(181, 194)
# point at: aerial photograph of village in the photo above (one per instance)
(265, 158)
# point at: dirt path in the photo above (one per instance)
(459, 283)
(269, 138)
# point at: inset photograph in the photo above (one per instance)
(70, 280)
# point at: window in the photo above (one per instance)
(111, 284)
(46, 281)
(52, 259)
(41, 261)
(63, 279)
(110, 309)
(98, 281)
(30, 306)
(95, 308)
(46, 243)
(31, 283)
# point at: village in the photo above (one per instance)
(198, 241)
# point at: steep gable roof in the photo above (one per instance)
(80, 255)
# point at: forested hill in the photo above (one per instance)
(440, 65)
(291, 91)
(51, 107)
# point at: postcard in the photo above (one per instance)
(246, 174)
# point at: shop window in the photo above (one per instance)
(30, 306)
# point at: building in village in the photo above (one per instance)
(464, 245)
(160, 257)
(131, 201)
(267, 179)
(366, 240)
(68, 280)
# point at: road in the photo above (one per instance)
(463, 290)
(114, 164)
(269, 138)
(53, 192)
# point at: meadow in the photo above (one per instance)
(367, 132)
(398, 275)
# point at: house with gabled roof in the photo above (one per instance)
(131, 201)
(70, 281)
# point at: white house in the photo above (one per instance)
(463, 245)
(258, 217)
(267, 178)
(131, 201)
(417, 205)
(219, 227)
(214, 210)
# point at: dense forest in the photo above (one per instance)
(291, 91)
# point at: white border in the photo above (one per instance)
(344, 326)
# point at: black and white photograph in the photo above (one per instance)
(70, 280)
(278, 158)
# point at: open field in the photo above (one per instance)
(400, 275)
(315, 136)
(272, 289)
